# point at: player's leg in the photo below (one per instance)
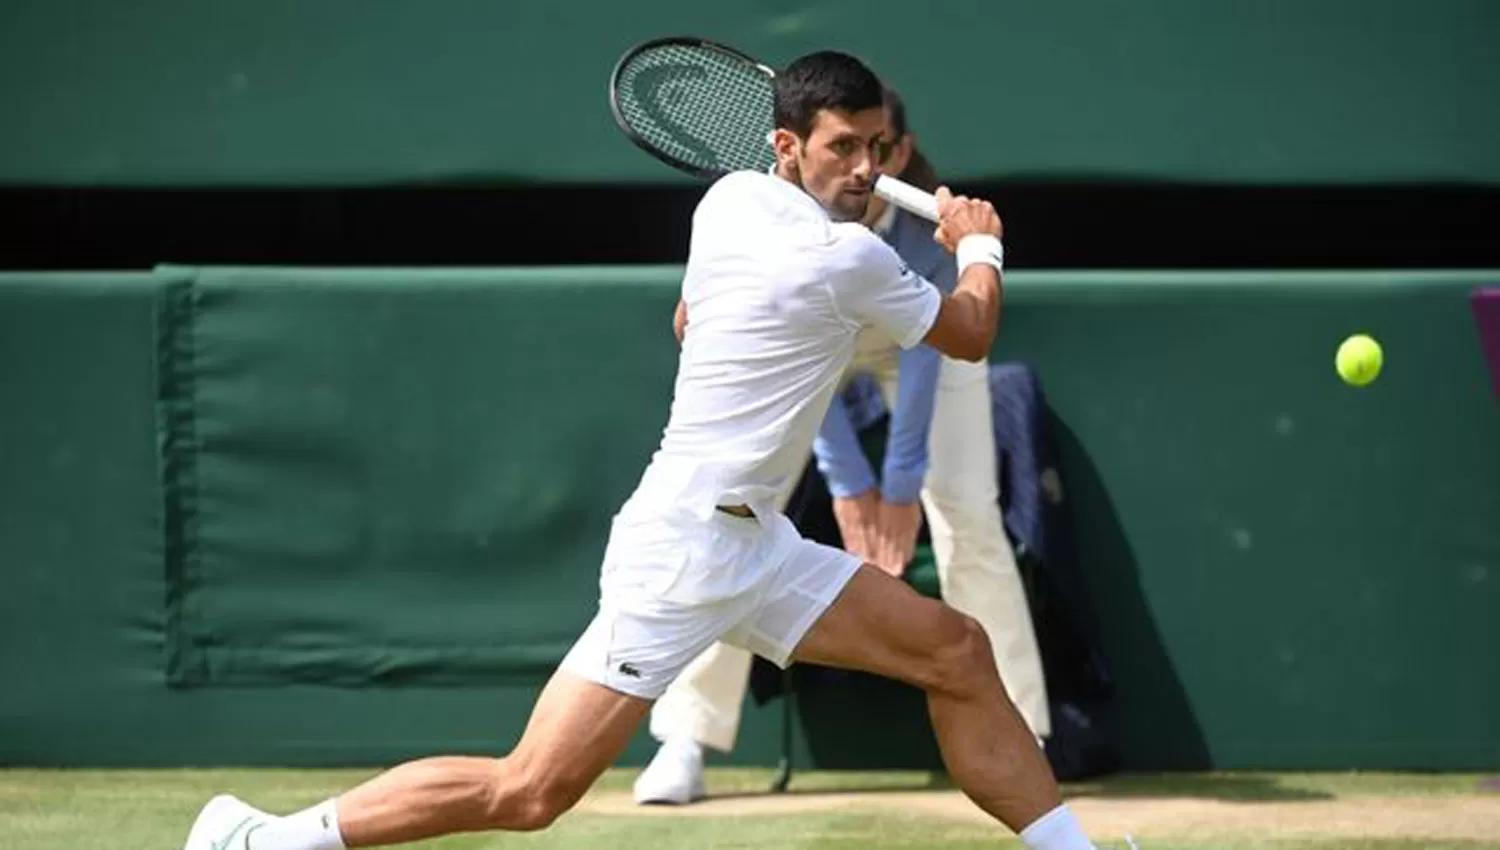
(880, 625)
(637, 643)
(576, 730)
(976, 564)
(828, 609)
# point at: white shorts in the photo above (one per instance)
(670, 588)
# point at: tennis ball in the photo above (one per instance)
(1359, 360)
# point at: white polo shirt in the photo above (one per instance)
(776, 293)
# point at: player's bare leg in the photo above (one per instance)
(577, 729)
(881, 625)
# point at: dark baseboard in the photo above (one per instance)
(1049, 225)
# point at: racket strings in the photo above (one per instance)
(708, 109)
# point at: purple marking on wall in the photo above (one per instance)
(1486, 304)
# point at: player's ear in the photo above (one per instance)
(785, 143)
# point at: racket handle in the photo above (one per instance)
(907, 197)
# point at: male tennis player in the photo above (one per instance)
(936, 401)
(780, 278)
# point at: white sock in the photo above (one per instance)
(316, 828)
(1056, 830)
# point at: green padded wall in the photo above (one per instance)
(80, 548)
(404, 477)
(87, 545)
(290, 516)
(1296, 566)
(363, 92)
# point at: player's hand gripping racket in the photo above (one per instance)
(706, 109)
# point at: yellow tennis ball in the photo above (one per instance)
(1359, 360)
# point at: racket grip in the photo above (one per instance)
(907, 197)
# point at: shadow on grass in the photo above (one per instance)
(833, 783)
(1247, 788)
(1224, 787)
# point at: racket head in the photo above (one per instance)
(701, 107)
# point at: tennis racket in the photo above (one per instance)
(706, 109)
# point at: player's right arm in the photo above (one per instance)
(881, 292)
(968, 320)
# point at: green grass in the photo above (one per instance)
(150, 810)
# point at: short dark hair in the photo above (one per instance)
(824, 80)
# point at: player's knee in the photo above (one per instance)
(526, 810)
(525, 801)
(962, 664)
(532, 812)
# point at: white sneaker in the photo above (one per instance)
(225, 823)
(674, 776)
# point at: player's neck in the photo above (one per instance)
(790, 175)
(785, 171)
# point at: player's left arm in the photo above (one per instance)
(679, 320)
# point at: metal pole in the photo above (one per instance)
(784, 770)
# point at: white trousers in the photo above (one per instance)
(977, 569)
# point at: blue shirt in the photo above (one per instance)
(837, 450)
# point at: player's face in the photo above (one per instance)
(839, 160)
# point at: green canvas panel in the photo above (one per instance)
(381, 92)
(1289, 572)
(404, 477)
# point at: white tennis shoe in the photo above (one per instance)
(225, 823)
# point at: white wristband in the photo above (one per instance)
(980, 248)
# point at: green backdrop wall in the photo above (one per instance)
(294, 516)
(364, 92)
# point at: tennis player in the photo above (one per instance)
(959, 491)
(781, 277)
